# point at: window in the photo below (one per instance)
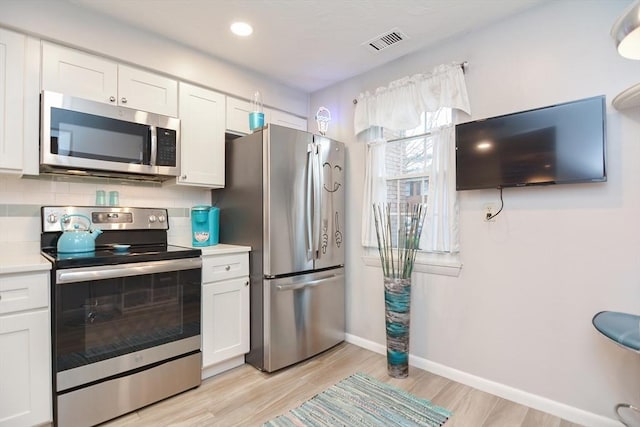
(408, 161)
(421, 161)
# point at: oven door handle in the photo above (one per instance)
(87, 274)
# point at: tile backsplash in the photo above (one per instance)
(21, 199)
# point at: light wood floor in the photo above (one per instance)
(245, 396)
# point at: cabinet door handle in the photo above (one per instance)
(112, 99)
(228, 267)
(123, 100)
(246, 283)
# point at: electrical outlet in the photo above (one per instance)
(488, 210)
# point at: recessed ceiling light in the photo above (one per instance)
(241, 29)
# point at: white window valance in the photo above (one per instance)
(400, 105)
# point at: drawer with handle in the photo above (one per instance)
(222, 267)
(20, 292)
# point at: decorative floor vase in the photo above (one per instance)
(397, 299)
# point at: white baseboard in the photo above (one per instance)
(569, 413)
(209, 371)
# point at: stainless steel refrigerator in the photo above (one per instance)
(284, 197)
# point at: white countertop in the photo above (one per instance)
(223, 249)
(218, 249)
(21, 258)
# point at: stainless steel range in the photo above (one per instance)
(125, 317)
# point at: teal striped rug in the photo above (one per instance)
(361, 400)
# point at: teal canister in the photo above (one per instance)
(214, 225)
(200, 225)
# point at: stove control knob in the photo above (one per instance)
(161, 218)
(153, 218)
(52, 218)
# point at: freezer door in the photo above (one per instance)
(286, 210)
(330, 251)
(304, 315)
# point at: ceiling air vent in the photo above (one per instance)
(385, 40)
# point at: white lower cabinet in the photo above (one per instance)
(25, 350)
(225, 312)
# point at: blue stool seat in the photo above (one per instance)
(624, 330)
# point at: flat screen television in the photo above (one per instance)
(558, 144)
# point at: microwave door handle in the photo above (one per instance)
(153, 137)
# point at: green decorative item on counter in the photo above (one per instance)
(397, 250)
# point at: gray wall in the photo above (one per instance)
(517, 320)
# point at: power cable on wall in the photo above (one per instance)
(489, 216)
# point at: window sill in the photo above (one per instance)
(443, 265)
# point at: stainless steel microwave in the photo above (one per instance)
(83, 137)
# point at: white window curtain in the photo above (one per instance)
(399, 107)
(441, 222)
(375, 188)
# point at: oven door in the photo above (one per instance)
(113, 319)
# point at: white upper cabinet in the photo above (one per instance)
(202, 113)
(12, 59)
(19, 103)
(87, 76)
(281, 118)
(238, 117)
(75, 73)
(147, 91)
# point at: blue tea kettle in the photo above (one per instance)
(77, 239)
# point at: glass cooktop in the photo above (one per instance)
(110, 255)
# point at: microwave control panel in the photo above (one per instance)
(166, 154)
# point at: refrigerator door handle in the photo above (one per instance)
(317, 202)
(310, 284)
(308, 214)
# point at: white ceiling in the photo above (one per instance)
(307, 44)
